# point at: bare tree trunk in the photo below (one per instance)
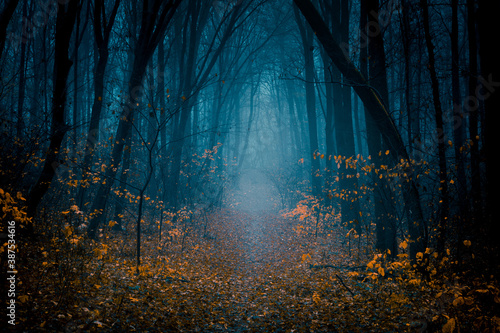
(458, 124)
(383, 196)
(65, 21)
(443, 178)
(22, 84)
(308, 47)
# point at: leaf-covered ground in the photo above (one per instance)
(253, 273)
(241, 269)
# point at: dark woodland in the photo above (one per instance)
(249, 165)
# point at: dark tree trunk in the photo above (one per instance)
(440, 135)
(458, 116)
(5, 17)
(22, 84)
(65, 21)
(344, 134)
(489, 54)
(383, 196)
(308, 47)
(472, 107)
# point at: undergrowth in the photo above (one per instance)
(244, 273)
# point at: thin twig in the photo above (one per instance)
(345, 286)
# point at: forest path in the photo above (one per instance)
(259, 268)
(265, 262)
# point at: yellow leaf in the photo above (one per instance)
(404, 245)
(387, 152)
(112, 223)
(68, 230)
(381, 271)
(458, 301)
(316, 297)
(23, 298)
(467, 243)
(449, 327)
(306, 256)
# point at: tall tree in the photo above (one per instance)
(383, 198)
(306, 34)
(22, 82)
(65, 21)
(440, 130)
(490, 76)
(472, 106)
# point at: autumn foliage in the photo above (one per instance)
(231, 270)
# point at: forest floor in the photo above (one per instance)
(253, 270)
